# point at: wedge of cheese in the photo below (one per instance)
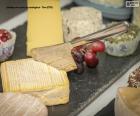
(127, 102)
(44, 24)
(36, 78)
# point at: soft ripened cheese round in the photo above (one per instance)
(80, 21)
(16, 104)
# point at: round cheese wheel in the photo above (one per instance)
(16, 104)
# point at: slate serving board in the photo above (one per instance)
(87, 87)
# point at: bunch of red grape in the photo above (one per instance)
(86, 54)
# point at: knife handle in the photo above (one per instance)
(100, 35)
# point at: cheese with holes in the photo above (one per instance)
(38, 79)
(127, 102)
(44, 26)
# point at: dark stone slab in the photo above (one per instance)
(7, 13)
(87, 87)
(108, 110)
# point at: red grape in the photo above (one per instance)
(98, 46)
(78, 57)
(91, 59)
(4, 35)
(80, 68)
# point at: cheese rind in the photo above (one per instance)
(56, 96)
(44, 24)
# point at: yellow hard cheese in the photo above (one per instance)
(47, 83)
(44, 24)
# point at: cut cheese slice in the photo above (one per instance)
(44, 24)
(40, 80)
(127, 102)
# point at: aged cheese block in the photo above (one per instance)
(30, 76)
(136, 15)
(44, 24)
(127, 102)
(16, 104)
(80, 21)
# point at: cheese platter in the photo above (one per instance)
(51, 75)
(87, 87)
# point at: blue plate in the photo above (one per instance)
(108, 11)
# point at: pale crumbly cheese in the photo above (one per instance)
(44, 26)
(43, 81)
(127, 102)
(80, 21)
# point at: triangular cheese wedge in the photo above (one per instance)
(29, 75)
(48, 84)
